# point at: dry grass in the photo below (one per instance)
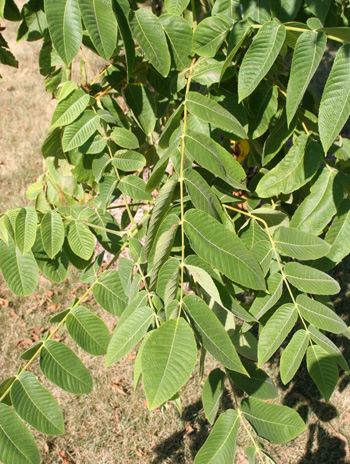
(112, 424)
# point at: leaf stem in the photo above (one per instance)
(284, 277)
(300, 29)
(242, 418)
(181, 180)
(59, 325)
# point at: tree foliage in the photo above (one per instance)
(203, 118)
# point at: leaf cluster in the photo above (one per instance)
(231, 180)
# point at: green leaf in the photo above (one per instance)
(109, 241)
(64, 21)
(265, 301)
(124, 138)
(278, 136)
(220, 247)
(260, 57)
(109, 293)
(134, 187)
(55, 269)
(209, 35)
(34, 404)
(209, 111)
(5, 389)
(293, 355)
(341, 33)
(17, 445)
(238, 34)
(217, 291)
(230, 8)
(275, 423)
(335, 103)
(320, 315)
(201, 194)
(77, 133)
(108, 193)
(3, 230)
(80, 239)
(319, 8)
(171, 125)
(175, 6)
(150, 36)
(258, 384)
(295, 170)
(52, 145)
(141, 102)
(63, 367)
(212, 333)
(168, 359)
(258, 10)
(310, 280)
(275, 331)
(159, 212)
(179, 34)
(157, 173)
(318, 208)
(25, 229)
(168, 280)
(209, 154)
(307, 56)
(52, 233)
(19, 271)
(220, 446)
(298, 244)
(131, 328)
(125, 32)
(328, 346)
(69, 108)
(212, 393)
(322, 369)
(264, 104)
(285, 10)
(88, 330)
(338, 237)
(101, 25)
(128, 160)
(162, 249)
